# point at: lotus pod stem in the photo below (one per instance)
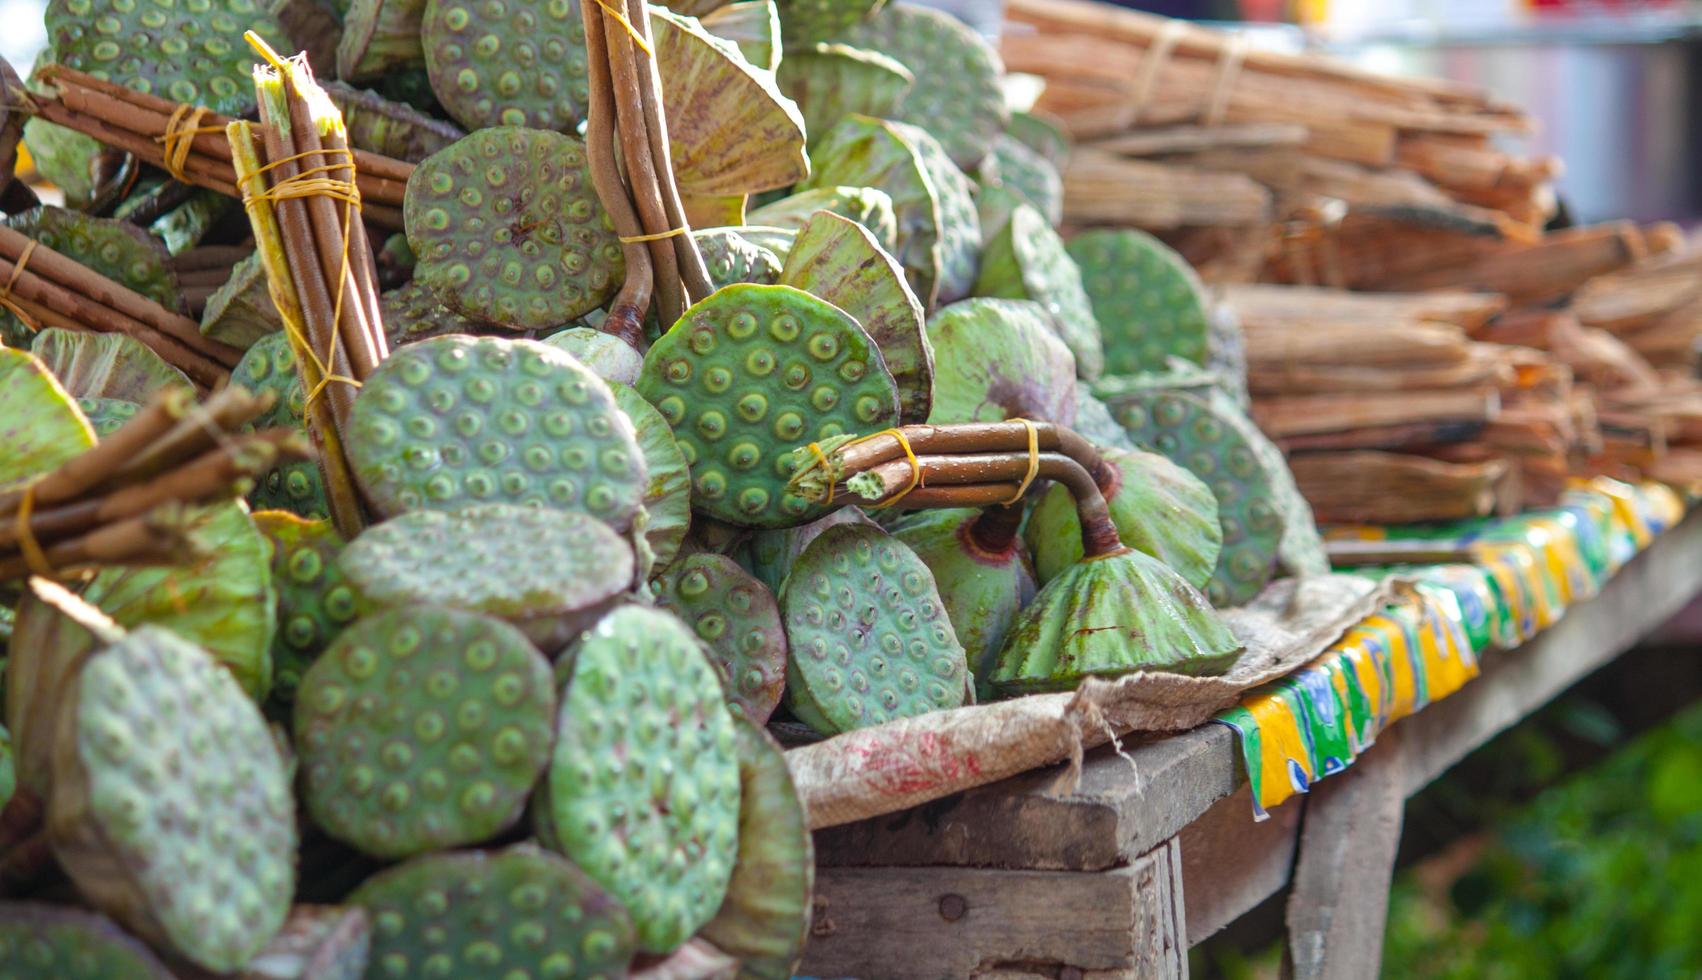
(847, 456)
(632, 303)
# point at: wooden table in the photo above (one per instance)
(1157, 848)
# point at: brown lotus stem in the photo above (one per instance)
(156, 537)
(641, 168)
(995, 529)
(198, 430)
(632, 303)
(973, 437)
(216, 257)
(969, 495)
(85, 470)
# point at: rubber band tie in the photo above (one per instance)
(179, 139)
(821, 458)
(1033, 461)
(6, 300)
(34, 557)
(910, 454)
(1228, 67)
(637, 38)
(658, 236)
(1151, 63)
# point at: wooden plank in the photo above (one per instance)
(1230, 862)
(1118, 810)
(1339, 902)
(927, 923)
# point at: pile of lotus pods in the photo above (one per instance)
(520, 724)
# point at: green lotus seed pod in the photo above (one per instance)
(85, 171)
(643, 791)
(1226, 354)
(1042, 134)
(507, 63)
(730, 257)
(1159, 508)
(1112, 615)
(1025, 174)
(393, 129)
(867, 206)
(770, 554)
(296, 486)
(808, 21)
(315, 600)
(1027, 260)
(117, 250)
(508, 228)
(456, 420)
(412, 312)
(832, 81)
(510, 913)
(1094, 421)
(957, 93)
(752, 25)
(1217, 445)
(39, 941)
(960, 222)
(40, 425)
(1149, 303)
(998, 359)
(107, 415)
(610, 357)
(865, 152)
(171, 808)
(191, 53)
(738, 621)
(667, 497)
(750, 373)
(105, 365)
(380, 37)
(1300, 550)
(869, 637)
(548, 572)
(765, 919)
(421, 729)
(837, 259)
(776, 240)
(241, 312)
(223, 602)
(984, 574)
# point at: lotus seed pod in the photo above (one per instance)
(832, 81)
(1300, 550)
(546, 571)
(738, 621)
(507, 63)
(750, 373)
(960, 222)
(865, 152)
(1027, 260)
(171, 808)
(730, 131)
(317, 942)
(808, 21)
(223, 601)
(315, 600)
(730, 257)
(107, 415)
(1216, 446)
(1159, 508)
(838, 260)
(39, 941)
(421, 729)
(1108, 616)
(608, 356)
(117, 250)
(765, 918)
(297, 486)
(776, 240)
(380, 37)
(984, 575)
(1226, 354)
(752, 25)
(1148, 300)
(192, 53)
(47, 647)
(391, 128)
(508, 228)
(643, 790)
(456, 420)
(667, 496)
(515, 912)
(957, 93)
(1014, 167)
(998, 359)
(40, 425)
(85, 171)
(1042, 134)
(867, 206)
(241, 311)
(1094, 421)
(769, 555)
(869, 637)
(412, 312)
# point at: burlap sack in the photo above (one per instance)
(907, 763)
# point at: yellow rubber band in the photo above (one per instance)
(34, 557)
(910, 454)
(325, 382)
(670, 233)
(6, 300)
(1033, 461)
(179, 139)
(631, 31)
(821, 458)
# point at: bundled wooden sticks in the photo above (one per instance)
(131, 498)
(50, 289)
(187, 141)
(304, 205)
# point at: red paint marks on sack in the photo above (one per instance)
(914, 764)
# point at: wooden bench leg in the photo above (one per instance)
(1339, 900)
